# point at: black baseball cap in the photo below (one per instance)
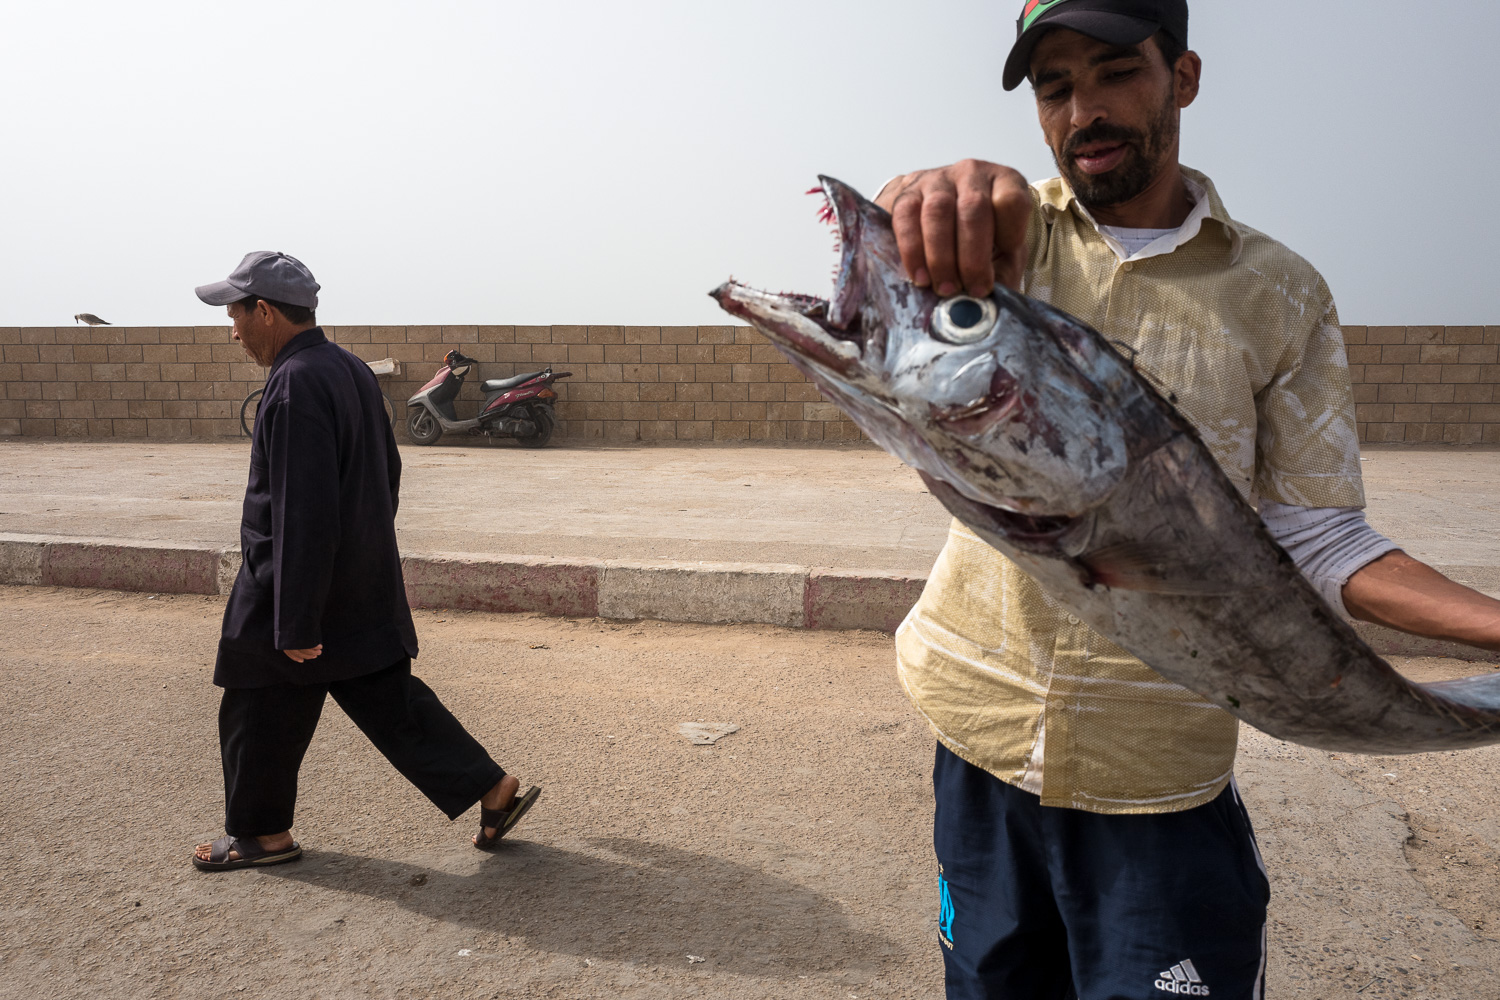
(1119, 22)
(265, 274)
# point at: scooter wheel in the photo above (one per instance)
(545, 424)
(423, 426)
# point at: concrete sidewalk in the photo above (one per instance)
(851, 507)
(817, 537)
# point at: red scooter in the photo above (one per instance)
(521, 406)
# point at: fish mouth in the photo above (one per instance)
(998, 406)
(798, 324)
(828, 332)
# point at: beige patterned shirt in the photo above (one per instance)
(1243, 332)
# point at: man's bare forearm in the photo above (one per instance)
(1402, 593)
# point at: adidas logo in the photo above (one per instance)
(1183, 980)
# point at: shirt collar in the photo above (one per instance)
(307, 338)
(1057, 197)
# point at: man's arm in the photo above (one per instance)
(1308, 455)
(1365, 575)
(1399, 592)
(960, 227)
(303, 460)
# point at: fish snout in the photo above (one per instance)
(795, 324)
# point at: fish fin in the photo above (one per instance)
(1153, 569)
(1481, 691)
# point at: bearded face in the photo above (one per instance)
(1111, 113)
(1147, 150)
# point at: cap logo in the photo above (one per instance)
(1035, 9)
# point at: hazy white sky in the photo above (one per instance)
(485, 161)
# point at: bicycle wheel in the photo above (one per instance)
(248, 410)
(390, 409)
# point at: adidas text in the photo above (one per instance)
(1182, 980)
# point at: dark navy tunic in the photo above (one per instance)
(319, 532)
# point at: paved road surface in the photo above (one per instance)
(793, 857)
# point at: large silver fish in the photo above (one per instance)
(1038, 435)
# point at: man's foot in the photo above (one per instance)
(495, 821)
(230, 852)
(273, 844)
(502, 797)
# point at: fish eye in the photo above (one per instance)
(964, 320)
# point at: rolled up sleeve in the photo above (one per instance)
(1307, 442)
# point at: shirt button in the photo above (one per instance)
(1129, 266)
(1072, 619)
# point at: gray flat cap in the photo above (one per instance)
(265, 274)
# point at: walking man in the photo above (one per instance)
(319, 607)
(1090, 838)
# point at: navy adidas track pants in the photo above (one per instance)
(1043, 903)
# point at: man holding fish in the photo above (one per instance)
(1090, 837)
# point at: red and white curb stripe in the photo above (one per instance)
(794, 596)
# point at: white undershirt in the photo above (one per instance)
(1328, 544)
(1134, 240)
(1139, 244)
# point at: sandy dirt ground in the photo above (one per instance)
(790, 860)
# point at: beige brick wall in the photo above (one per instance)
(716, 383)
(709, 383)
(1426, 384)
(653, 383)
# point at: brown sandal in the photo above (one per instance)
(504, 819)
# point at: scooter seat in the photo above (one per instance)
(498, 384)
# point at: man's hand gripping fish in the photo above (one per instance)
(1039, 436)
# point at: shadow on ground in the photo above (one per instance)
(647, 904)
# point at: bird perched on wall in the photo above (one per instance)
(91, 320)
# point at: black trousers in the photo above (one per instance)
(1048, 903)
(264, 733)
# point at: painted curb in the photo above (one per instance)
(506, 583)
(713, 593)
(708, 593)
(21, 559)
(847, 599)
(116, 564)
